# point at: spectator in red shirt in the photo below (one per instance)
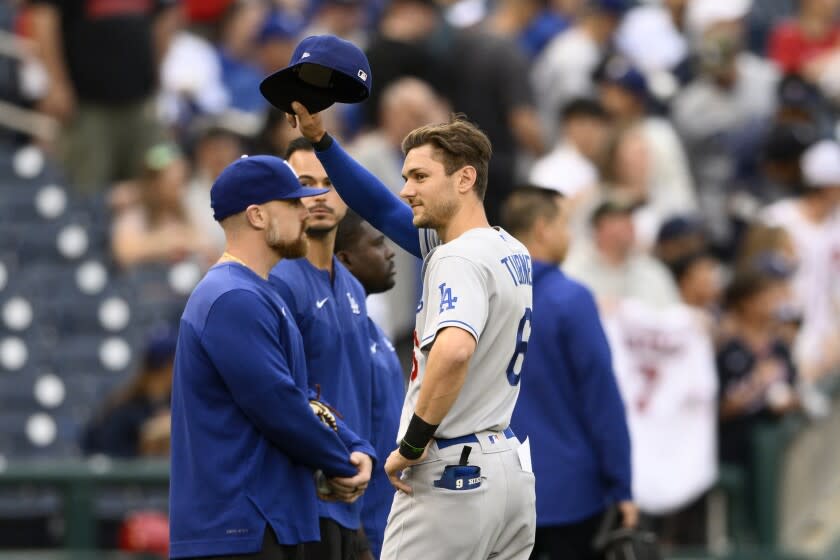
(797, 42)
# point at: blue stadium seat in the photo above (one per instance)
(66, 334)
(17, 391)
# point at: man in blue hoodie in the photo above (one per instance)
(364, 252)
(569, 405)
(245, 440)
(328, 304)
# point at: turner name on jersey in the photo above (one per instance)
(481, 283)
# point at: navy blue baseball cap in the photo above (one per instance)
(677, 227)
(255, 180)
(620, 72)
(323, 70)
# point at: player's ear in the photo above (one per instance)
(344, 258)
(466, 178)
(256, 216)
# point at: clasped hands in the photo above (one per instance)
(350, 489)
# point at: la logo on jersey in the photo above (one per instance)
(447, 301)
(354, 307)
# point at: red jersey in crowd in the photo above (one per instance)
(791, 48)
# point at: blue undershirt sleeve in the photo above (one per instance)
(370, 198)
(586, 345)
(240, 337)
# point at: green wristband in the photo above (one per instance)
(416, 437)
(409, 451)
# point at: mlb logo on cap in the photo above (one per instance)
(323, 70)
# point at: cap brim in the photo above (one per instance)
(285, 86)
(304, 192)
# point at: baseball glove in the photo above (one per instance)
(324, 414)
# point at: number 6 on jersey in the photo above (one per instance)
(523, 333)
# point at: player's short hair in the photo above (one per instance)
(300, 144)
(350, 229)
(459, 143)
(525, 205)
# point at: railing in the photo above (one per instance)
(78, 483)
(798, 483)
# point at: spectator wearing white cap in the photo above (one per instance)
(722, 114)
(812, 218)
(703, 14)
(651, 38)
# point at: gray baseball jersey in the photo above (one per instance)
(479, 282)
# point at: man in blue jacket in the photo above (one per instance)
(328, 304)
(569, 405)
(370, 259)
(245, 440)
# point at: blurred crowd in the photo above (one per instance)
(695, 142)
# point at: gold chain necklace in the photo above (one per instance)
(228, 257)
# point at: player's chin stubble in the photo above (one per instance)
(287, 249)
(320, 231)
(435, 217)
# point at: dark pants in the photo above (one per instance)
(271, 550)
(567, 542)
(337, 543)
(685, 527)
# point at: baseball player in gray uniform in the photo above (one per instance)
(466, 490)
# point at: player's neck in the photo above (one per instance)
(320, 253)
(259, 257)
(467, 218)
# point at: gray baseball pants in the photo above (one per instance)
(495, 520)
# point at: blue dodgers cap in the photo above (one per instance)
(255, 180)
(323, 70)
